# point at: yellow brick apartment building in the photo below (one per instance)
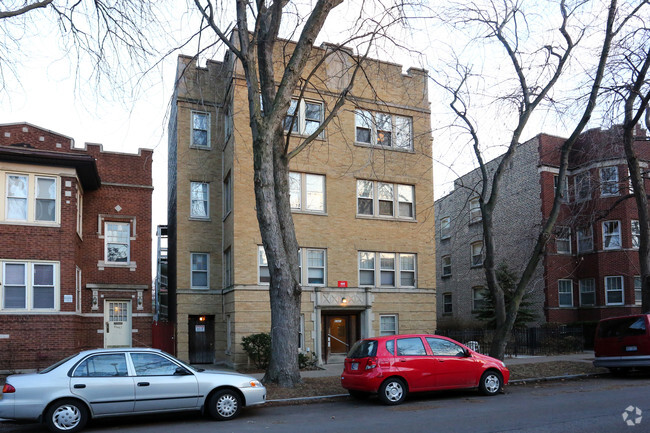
(362, 200)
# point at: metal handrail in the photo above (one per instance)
(330, 335)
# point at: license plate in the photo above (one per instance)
(354, 366)
(630, 348)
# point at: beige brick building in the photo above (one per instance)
(362, 197)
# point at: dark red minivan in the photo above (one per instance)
(622, 343)
(393, 366)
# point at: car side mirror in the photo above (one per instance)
(180, 371)
(467, 353)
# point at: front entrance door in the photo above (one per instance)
(117, 323)
(340, 331)
(201, 331)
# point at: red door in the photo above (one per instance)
(413, 363)
(453, 369)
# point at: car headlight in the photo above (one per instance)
(254, 383)
(503, 364)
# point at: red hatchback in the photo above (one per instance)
(395, 365)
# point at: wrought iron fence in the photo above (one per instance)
(546, 340)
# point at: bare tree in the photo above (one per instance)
(508, 24)
(255, 44)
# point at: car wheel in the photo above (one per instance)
(359, 395)
(392, 391)
(491, 383)
(67, 415)
(224, 405)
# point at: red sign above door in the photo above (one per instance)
(343, 283)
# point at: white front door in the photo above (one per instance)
(117, 323)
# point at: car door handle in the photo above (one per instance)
(79, 386)
(143, 383)
(402, 360)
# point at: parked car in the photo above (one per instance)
(394, 366)
(111, 382)
(622, 343)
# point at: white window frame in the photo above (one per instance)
(608, 290)
(227, 194)
(581, 238)
(587, 286)
(565, 187)
(108, 241)
(305, 269)
(205, 271)
(207, 131)
(78, 290)
(401, 129)
(447, 301)
(205, 200)
(49, 199)
(473, 263)
(395, 199)
(477, 290)
(638, 291)
(582, 186)
(378, 269)
(262, 262)
(563, 236)
(80, 217)
(564, 287)
(28, 276)
(299, 196)
(445, 227)
(475, 214)
(609, 187)
(30, 198)
(635, 232)
(301, 333)
(300, 126)
(446, 265)
(227, 268)
(384, 329)
(612, 231)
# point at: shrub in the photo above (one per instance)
(306, 360)
(258, 348)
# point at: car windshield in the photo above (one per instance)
(625, 327)
(53, 366)
(363, 348)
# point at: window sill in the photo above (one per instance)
(476, 266)
(446, 276)
(378, 146)
(207, 219)
(101, 265)
(308, 212)
(31, 223)
(445, 238)
(193, 146)
(471, 223)
(386, 218)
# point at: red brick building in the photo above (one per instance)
(75, 247)
(591, 269)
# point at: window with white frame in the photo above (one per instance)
(585, 239)
(565, 293)
(307, 192)
(637, 291)
(117, 242)
(635, 230)
(478, 298)
(564, 191)
(446, 266)
(79, 213)
(200, 130)
(227, 267)
(611, 235)
(385, 200)
(227, 194)
(477, 254)
(200, 270)
(31, 198)
(447, 306)
(30, 286)
(387, 324)
(474, 210)
(587, 288)
(316, 266)
(609, 181)
(263, 274)
(382, 129)
(614, 290)
(582, 186)
(563, 240)
(392, 269)
(445, 228)
(304, 118)
(199, 201)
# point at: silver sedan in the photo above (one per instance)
(111, 382)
